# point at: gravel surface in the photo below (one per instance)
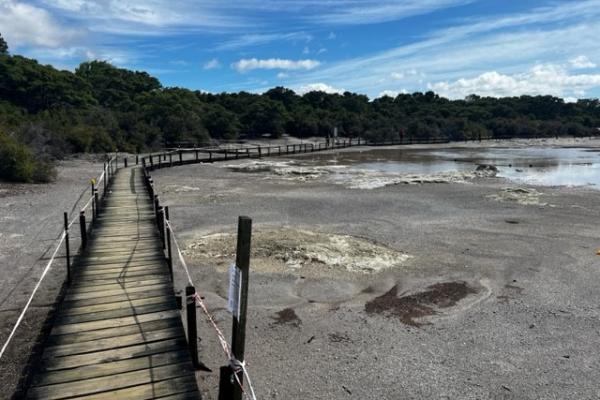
(31, 218)
(498, 301)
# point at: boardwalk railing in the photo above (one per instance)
(215, 154)
(84, 217)
(235, 381)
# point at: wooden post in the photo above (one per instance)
(237, 153)
(269, 151)
(105, 176)
(151, 188)
(156, 205)
(259, 152)
(151, 162)
(190, 291)
(137, 159)
(96, 201)
(180, 156)
(225, 384)
(83, 229)
(93, 202)
(161, 225)
(196, 155)
(169, 249)
(66, 217)
(210, 156)
(242, 261)
(247, 152)
(125, 162)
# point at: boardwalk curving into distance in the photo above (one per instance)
(118, 332)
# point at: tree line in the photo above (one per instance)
(47, 113)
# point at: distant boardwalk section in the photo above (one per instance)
(118, 332)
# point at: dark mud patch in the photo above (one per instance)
(368, 289)
(414, 306)
(339, 338)
(287, 316)
(517, 290)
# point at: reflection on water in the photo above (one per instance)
(548, 166)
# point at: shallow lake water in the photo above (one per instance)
(547, 166)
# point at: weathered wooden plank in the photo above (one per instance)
(109, 383)
(98, 267)
(107, 293)
(113, 342)
(125, 297)
(156, 390)
(93, 273)
(71, 310)
(116, 332)
(122, 259)
(110, 369)
(124, 275)
(122, 285)
(99, 357)
(166, 304)
(115, 322)
(127, 246)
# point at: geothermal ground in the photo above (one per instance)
(458, 287)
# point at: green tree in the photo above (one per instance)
(3, 45)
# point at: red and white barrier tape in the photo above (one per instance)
(235, 364)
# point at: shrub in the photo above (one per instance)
(17, 164)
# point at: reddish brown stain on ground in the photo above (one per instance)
(414, 306)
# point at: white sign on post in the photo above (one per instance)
(235, 290)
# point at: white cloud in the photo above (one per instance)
(581, 62)
(274, 63)
(26, 25)
(368, 12)
(510, 44)
(283, 75)
(134, 17)
(392, 93)
(258, 39)
(396, 76)
(212, 64)
(306, 50)
(545, 79)
(319, 87)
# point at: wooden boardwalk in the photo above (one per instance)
(118, 332)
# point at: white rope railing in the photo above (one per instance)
(35, 289)
(236, 365)
(49, 265)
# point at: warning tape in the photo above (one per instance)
(236, 365)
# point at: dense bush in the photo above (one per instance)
(17, 164)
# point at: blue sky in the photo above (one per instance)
(453, 47)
